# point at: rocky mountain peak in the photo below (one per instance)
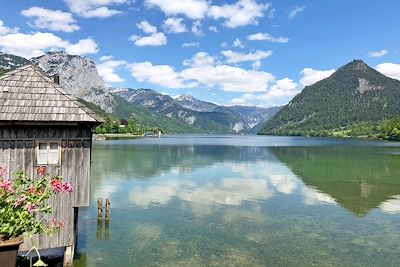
(356, 65)
(193, 103)
(185, 98)
(78, 76)
(9, 61)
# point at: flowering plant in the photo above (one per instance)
(23, 203)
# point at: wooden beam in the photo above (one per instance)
(69, 256)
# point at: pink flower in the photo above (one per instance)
(68, 187)
(57, 224)
(7, 185)
(19, 201)
(31, 208)
(56, 185)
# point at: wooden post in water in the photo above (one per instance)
(107, 222)
(99, 218)
(99, 210)
(107, 210)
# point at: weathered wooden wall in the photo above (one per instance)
(17, 152)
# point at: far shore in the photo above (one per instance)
(115, 136)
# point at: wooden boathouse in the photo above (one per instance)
(41, 125)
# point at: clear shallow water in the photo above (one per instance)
(243, 201)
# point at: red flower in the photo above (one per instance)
(31, 190)
(41, 170)
(56, 185)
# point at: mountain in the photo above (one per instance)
(78, 76)
(193, 103)
(9, 61)
(124, 109)
(196, 113)
(255, 117)
(355, 93)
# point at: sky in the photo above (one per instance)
(233, 52)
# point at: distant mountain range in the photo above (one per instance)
(355, 93)
(208, 117)
(186, 114)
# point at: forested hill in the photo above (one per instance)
(355, 93)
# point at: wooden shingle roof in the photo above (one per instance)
(28, 95)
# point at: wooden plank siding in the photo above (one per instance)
(18, 152)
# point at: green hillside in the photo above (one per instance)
(354, 94)
(2, 71)
(125, 110)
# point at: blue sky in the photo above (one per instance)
(250, 52)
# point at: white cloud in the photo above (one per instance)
(94, 8)
(296, 10)
(196, 28)
(228, 78)
(282, 90)
(6, 30)
(278, 94)
(174, 25)
(241, 13)
(202, 69)
(82, 47)
(224, 45)
(193, 9)
(53, 20)
(267, 37)
(235, 57)
(191, 44)
(107, 70)
(238, 43)
(30, 45)
(155, 39)
(389, 69)
(146, 27)
(380, 53)
(213, 28)
(33, 45)
(105, 58)
(163, 75)
(199, 60)
(311, 76)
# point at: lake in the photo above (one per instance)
(243, 201)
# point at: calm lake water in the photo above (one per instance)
(243, 201)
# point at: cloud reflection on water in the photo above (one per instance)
(240, 183)
(314, 197)
(392, 205)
